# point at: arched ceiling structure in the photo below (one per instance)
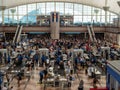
(112, 4)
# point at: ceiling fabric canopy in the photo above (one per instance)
(112, 4)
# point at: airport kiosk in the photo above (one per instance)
(105, 52)
(113, 75)
(44, 51)
(75, 53)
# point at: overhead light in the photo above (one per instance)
(106, 8)
(2, 8)
(118, 3)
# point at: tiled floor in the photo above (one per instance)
(33, 83)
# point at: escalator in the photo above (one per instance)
(91, 34)
(92, 38)
(14, 39)
(17, 34)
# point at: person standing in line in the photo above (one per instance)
(81, 85)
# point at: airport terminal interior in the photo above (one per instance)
(59, 44)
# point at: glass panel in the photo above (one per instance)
(77, 9)
(60, 7)
(22, 10)
(102, 19)
(87, 10)
(6, 19)
(86, 18)
(6, 12)
(69, 8)
(98, 18)
(13, 19)
(103, 12)
(32, 9)
(49, 7)
(23, 19)
(32, 19)
(41, 8)
(77, 19)
(108, 17)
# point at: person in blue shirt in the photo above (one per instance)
(77, 60)
(20, 57)
(1, 80)
(36, 57)
(9, 58)
(42, 74)
(43, 59)
(58, 59)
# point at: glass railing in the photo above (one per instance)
(62, 25)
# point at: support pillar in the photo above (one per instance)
(13, 11)
(55, 25)
(2, 8)
(106, 8)
(96, 12)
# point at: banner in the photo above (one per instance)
(54, 17)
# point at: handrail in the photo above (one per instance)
(93, 33)
(90, 34)
(19, 34)
(16, 33)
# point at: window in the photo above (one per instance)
(49, 7)
(87, 10)
(77, 9)
(6, 19)
(22, 10)
(81, 13)
(77, 19)
(32, 9)
(60, 7)
(41, 8)
(86, 19)
(68, 8)
(6, 11)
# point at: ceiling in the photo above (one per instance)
(114, 7)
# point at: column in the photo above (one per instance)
(96, 13)
(106, 8)
(2, 8)
(13, 11)
(54, 25)
(119, 21)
